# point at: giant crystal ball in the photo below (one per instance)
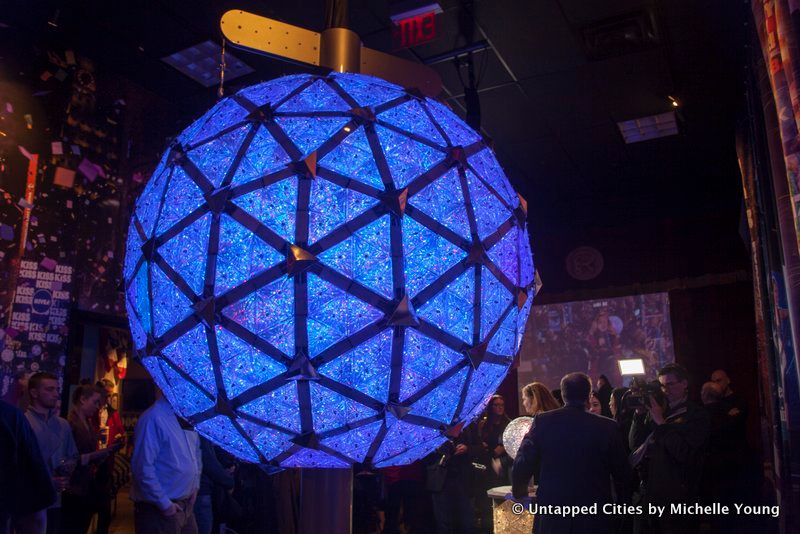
(328, 270)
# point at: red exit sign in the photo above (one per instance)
(416, 30)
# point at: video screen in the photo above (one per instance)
(592, 335)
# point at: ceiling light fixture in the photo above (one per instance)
(201, 63)
(646, 128)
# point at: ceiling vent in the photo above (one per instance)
(201, 63)
(618, 36)
(646, 128)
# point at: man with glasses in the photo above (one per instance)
(669, 442)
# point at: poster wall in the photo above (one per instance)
(38, 323)
(591, 335)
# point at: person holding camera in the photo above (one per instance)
(449, 476)
(668, 437)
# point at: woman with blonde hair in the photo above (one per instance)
(536, 398)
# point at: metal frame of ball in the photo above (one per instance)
(300, 259)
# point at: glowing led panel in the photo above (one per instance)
(326, 270)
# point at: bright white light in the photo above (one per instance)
(631, 367)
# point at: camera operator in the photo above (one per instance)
(449, 480)
(668, 438)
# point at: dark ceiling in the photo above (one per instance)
(549, 102)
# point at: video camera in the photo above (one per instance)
(640, 394)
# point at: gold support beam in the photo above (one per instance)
(338, 49)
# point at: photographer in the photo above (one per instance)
(449, 476)
(668, 438)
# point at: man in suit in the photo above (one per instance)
(573, 456)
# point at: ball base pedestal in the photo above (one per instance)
(326, 500)
(505, 520)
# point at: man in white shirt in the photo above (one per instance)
(166, 472)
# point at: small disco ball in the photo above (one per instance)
(328, 270)
(513, 434)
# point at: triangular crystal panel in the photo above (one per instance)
(313, 458)
(269, 441)
(190, 353)
(332, 410)
(182, 197)
(241, 255)
(504, 340)
(427, 255)
(439, 404)
(274, 206)
(279, 407)
(184, 397)
(353, 158)
(366, 257)
(505, 254)
(369, 92)
(411, 117)
(308, 133)
(272, 92)
(414, 453)
(263, 156)
(484, 382)
(133, 251)
(354, 443)
(334, 314)
(331, 206)
(147, 206)
(316, 97)
(452, 308)
(226, 113)
(366, 368)
(423, 360)
(242, 366)
(268, 313)
(495, 299)
(221, 431)
(458, 132)
(489, 211)
(215, 157)
(443, 201)
(407, 159)
(187, 252)
(402, 436)
(170, 305)
(137, 331)
(485, 164)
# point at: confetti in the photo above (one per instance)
(6, 232)
(88, 169)
(48, 264)
(64, 178)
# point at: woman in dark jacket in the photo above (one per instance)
(80, 500)
(490, 453)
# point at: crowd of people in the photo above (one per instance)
(658, 449)
(627, 446)
(71, 473)
(646, 444)
(591, 336)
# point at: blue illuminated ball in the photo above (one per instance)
(328, 270)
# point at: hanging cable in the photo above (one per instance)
(221, 90)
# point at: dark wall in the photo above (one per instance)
(714, 328)
(643, 252)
